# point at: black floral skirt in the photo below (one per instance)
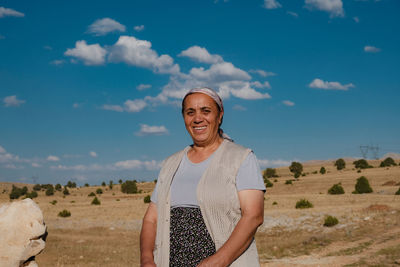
(190, 241)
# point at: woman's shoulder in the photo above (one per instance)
(236, 147)
(175, 156)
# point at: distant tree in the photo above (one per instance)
(269, 173)
(336, 189)
(296, 168)
(103, 184)
(92, 194)
(322, 170)
(24, 190)
(50, 191)
(398, 192)
(110, 184)
(129, 187)
(268, 183)
(86, 185)
(65, 191)
(120, 181)
(361, 164)
(37, 187)
(362, 186)
(96, 201)
(71, 184)
(340, 164)
(32, 194)
(16, 192)
(147, 199)
(58, 187)
(388, 162)
(99, 191)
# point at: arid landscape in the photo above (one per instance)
(368, 232)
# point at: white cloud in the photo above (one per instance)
(104, 26)
(77, 105)
(93, 154)
(135, 105)
(239, 107)
(139, 28)
(333, 7)
(263, 73)
(257, 84)
(371, 49)
(271, 4)
(113, 108)
(4, 12)
(57, 62)
(53, 158)
(12, 101)
(135, 164)
(90, 54)
(320, 84)
(288, 103)
(264, 163)
(36, 165)
(137, 52)
(151, 130)
(2, 150)
(220, 72)
(200, 54)
(142, 87)
(47, 47)
(293, 14)
(356, 19)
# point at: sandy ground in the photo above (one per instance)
(368, 233)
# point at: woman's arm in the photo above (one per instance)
(252, 206)
(148, 236)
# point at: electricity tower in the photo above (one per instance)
(374, 150)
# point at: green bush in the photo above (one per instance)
(314, 172)
(16, 192)
(50, 191)
(86, 185)
(92, 194)
(65, 191)
(303, 204)
(32, 194)
(120, 181)
(340, 164)
(296, 168)
(103, 184)
(99, 191)
(53, 202)
(58, 187)
(362, 186)
(129, 187)
(268, 183)
(322, 170)
(361, 164)
(96, 201)
(336, 189)
(147, 199)
(398, 192)
(288, 182)
(269, 173)
(274, 203)
(71, 184)
(111, 184)
(64, 213)
(388, 162)
(330, 221)
(37, 187)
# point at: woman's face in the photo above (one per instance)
(202, 118)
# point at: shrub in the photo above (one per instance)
(288, 182)
(120, 181)
(314, 172)
(50, 191)
(37, 187)
(86, 185)
(129, 187)
(362, 186)
(71, 184)
(388, 162)
(16, 192)
(330, 221)
(32, 194)
(103, 184)
(147, 199)
(304, 174)
(96, 201)
(110, 184)
(398, 192)
(269, 173)
(336, 189)
(274, 203)
(361, 164)
(58, 187)
(92, 194)
(99, 191)
(65, 191)
(64, 213)
(340, 164)
(296, 168)
(53, 202)
(268, 183)
(303, 204)
(322, 170)
(155, 181)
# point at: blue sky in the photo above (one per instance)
(90, 90)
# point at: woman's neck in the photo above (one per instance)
(199, 153)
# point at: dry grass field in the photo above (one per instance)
(368, 232)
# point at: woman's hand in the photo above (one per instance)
(211, 261)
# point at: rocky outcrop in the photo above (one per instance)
(23, 233)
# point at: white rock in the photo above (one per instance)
(21, 225)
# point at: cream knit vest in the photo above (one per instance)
(217, 197)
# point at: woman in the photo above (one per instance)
(209, 198)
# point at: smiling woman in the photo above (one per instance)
(208, 201)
